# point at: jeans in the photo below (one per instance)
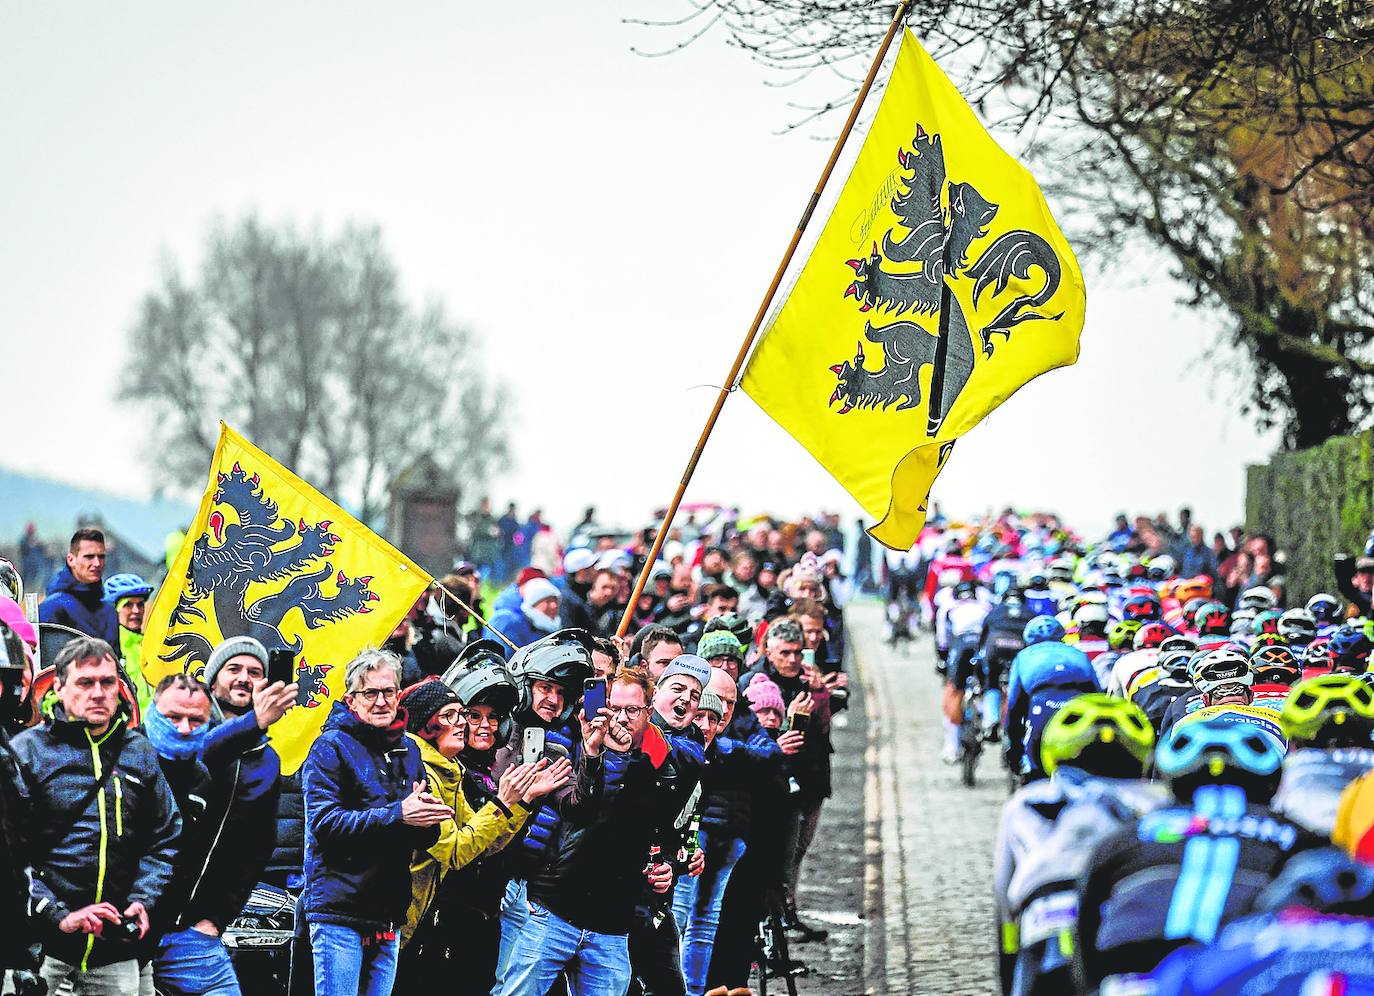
(596, 964)
(117, 979)
(344, 967)
(656, 957)
(696, 907)
(515, 913)
(190, 963)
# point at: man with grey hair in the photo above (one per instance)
(366, 811)
(104, 825)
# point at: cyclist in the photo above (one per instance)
(1039, 598)
(1043, 677)
(1157, 688)
(1224, 679)
(1181, 872)
(1212, 624)
(1002, 638)
(1327, 610)
(1329, 722)
(1298, 627)
(1276, 672)
(1319, 658)
(1090, 620)
(1095, 750)
(1349, 649)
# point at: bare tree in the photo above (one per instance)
(306, 344)
(1236, 136)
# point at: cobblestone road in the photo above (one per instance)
(928, 902)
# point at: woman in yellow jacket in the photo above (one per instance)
(437, 722)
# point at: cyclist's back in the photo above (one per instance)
(1043, 677)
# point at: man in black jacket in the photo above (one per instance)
(105, 827)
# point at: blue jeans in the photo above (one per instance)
(190, 963)
(343, 967)
(696, 907)
(596, 964)
(514, 914)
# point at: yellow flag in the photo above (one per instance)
(939, 285)
(270, 557)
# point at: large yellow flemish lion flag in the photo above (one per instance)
(270, 557)
(939, 285)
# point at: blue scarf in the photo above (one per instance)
(170, 742)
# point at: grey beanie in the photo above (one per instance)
(232, 647)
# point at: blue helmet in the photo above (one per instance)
(1218, 752)
(124, 586)
(1325, 880)
(1350, 648)
(1043, 629)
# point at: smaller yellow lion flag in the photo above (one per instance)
(939, 286)
(270, 557)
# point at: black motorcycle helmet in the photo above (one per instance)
(478, 653)
(564, 658)
(487, 684)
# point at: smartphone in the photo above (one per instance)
(800, 721)
(532, 749)
(593, 697)
(281, 666)
(809, 657)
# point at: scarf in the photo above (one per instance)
(170, 742)
(540, 621)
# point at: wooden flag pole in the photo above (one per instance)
(762, 313)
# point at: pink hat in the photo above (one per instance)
(13, 617)
(763, 693)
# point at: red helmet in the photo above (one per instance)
(1151, 635)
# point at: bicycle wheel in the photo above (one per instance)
(784, 959)
(972, 748)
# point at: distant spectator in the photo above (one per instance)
(1198, 560)
(76, 597)
(1355, 580)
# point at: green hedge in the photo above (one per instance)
(1316, 503)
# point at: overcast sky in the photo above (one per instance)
(607, 222)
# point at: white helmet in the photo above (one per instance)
(1258, 598)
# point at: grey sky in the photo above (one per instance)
(606, 221)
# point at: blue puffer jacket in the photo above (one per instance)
(357, 849)
(516, 627)
(73, 603)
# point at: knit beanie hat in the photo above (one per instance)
(711, 702)
(763, 693)
(720, 643)
(528, 574)
(232, 647)
(423, 699)
(536, 590)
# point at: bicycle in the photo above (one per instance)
(772, 959)
(970, 731)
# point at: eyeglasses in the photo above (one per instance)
(629, 712)
(373, 694)
(451, 717)
(475, 719)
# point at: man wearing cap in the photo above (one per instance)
(579, 570)
(536, 617)
(512, 595)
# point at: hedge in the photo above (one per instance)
(1316, 503)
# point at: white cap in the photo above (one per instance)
(578, 560)
(611, 560)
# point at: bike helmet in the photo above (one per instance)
(1091, 619)
(1043, 629)
(1217, 670)
(1267, 621)
(1218, 752)
(949, 577)
(1330, 710)
(1151, 635)
(563, 657)
(1190, 588)
(1037, 581)
(1142, 607)
(965, 589)
(11, 583)
(1060, 569)
(1212, 619)
(1242, 622)
(1267, 640)
(1178, 641)
(1102, 735)
(1258, 598)
(1275, 664)
(1122, 635)
(1326, 609)
(125, 586)
(486, 684)
(1298, 627)
(1176, 663)
(1319, 656)
(1325, 880)
(1161, 568)
(1350, 650)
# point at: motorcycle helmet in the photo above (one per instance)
(478, 653)
(125, 586)
(1104, 736)
(1043, 629)
(564, 658)
(11, 583)
(1326, 609)
(1142, 607)
(1258, 598)
(1212, 619)
(1350, 650)
(1151, 635)
(490, 685)
(1121, 636)
(1298, 627)
(1275, 664)
(1218, 752)
(1330, 710)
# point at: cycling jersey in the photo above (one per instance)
(1263, 720)
(1126, 667)
(1270, 695)
(1177, 876)
(1158, 697)
(1294, 952)
(963, 617)
(1047, 832)
(1182, 706)
(1313, 780)
(1043, 677)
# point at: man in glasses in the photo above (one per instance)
(367, 808)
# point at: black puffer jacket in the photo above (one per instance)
(286, 866)
(734, 769)
(133, 821)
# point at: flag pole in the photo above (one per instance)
(762, 313)
(447, 593)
